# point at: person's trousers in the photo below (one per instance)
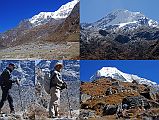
(6, 96)
(54, 102)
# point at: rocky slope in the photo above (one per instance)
(69, 30)
(70, 74)
(42, 29)
(120, 35)
(114, 99)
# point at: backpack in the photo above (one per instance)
(47, 83)
(47, 80)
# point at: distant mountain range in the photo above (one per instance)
(121, 34)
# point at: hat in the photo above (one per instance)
(11, 64)
(58, 63)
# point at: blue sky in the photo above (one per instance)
(13, 11)
(148, 69)
(93, 10)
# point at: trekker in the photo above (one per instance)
(56, 84)
(6, 85)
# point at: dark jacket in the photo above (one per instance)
(6, 81)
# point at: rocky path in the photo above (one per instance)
(17, 116)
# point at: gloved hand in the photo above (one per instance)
(64, 86)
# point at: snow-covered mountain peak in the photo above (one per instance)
(124, 18)
(62, 13)
(108, 70)
(114, 73)
(125, 12)
(65, 10)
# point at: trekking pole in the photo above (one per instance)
(69, 102)
(20, 98)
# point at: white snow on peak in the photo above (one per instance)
(123, 18)
(63, 12)
(123, 24)
(153, 23)
(114, 73)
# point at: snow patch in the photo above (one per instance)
(123, 24)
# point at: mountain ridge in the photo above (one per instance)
(62, 13)
(122, 17)
(130, 37)
(114, 73)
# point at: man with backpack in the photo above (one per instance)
(6, 85)
(56, 84)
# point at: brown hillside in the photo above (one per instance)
(96, 97)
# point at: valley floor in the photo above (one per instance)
(37, 50)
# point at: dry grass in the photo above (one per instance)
(98, 89)
(37, 50)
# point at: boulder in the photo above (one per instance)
(136, 101)
(110, 110)
(84, 106)
(115, 83)
(109, 91)
(86, 114)
(85, 97)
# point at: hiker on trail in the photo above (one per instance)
(56, 84)
(6, 85)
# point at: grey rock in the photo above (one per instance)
(109, 91)
(85, 97)
(85, 114)
(110, 110)
(136, 101)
